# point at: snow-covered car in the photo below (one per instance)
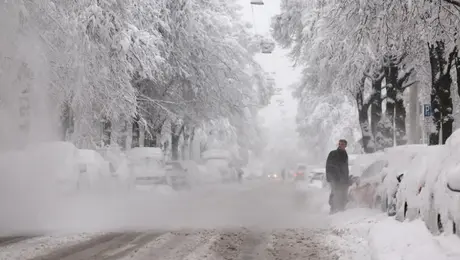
(177, 175)
(317, 177)
(146, 166)
(55, 165)
(94, 171)
(416, 182)
(217, 163)
(363, 189)
(441, 196)
(399, 159)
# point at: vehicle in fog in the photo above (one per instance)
(274, 176)
(57, 163)
(300, 172)
(146, 166)
(95, 171)
(317, 177)
(217, 162)
(177, 175)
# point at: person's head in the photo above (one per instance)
(342, 144)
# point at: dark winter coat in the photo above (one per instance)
(337, 167)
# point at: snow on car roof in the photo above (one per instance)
(86, 155)
(140, 152)
(216, 154)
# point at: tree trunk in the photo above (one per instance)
(176, 132)
(192, 138)
(186, 145)
(441, 98)
(67, 122)
(135, 138)
(106, 132)
(391, 76)
(457, 70)
(413, 114)
(363, 108)
(376, 106)
(400, 120)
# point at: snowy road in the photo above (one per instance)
(254, 221)
(197, 244)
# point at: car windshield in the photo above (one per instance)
(374, 169)
(150, 163)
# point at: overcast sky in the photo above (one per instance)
(277, 62)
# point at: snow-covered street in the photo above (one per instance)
(257, 220)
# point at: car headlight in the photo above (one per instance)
(274, 175)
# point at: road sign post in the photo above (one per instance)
(427, 110)
(428, 120)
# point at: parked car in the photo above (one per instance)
(440, 207)
(317, 177)
(177, 175)
(410, 195)
(217, 162)
(399, 159)
(364, 187)
(54, 162)
(146, 166)
(94, 171)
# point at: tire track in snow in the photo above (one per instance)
(292, 244)
(255, 246)
(228, 243)
(63, 253)
(182, 245)
(111, 246)
(6, 241)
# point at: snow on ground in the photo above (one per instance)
(393, 240)
(38, 246)
(364, 234)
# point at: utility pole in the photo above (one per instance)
(414, 113)
(394, 126)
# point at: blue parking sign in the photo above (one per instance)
(427, 110)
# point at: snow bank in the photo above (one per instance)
(363, 234)
(393, 240)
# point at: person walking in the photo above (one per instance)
(283, 174)
(240, 174)
(337, 175)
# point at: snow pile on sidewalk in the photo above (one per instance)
(350, 232)
(393, 240)
(364, 234)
